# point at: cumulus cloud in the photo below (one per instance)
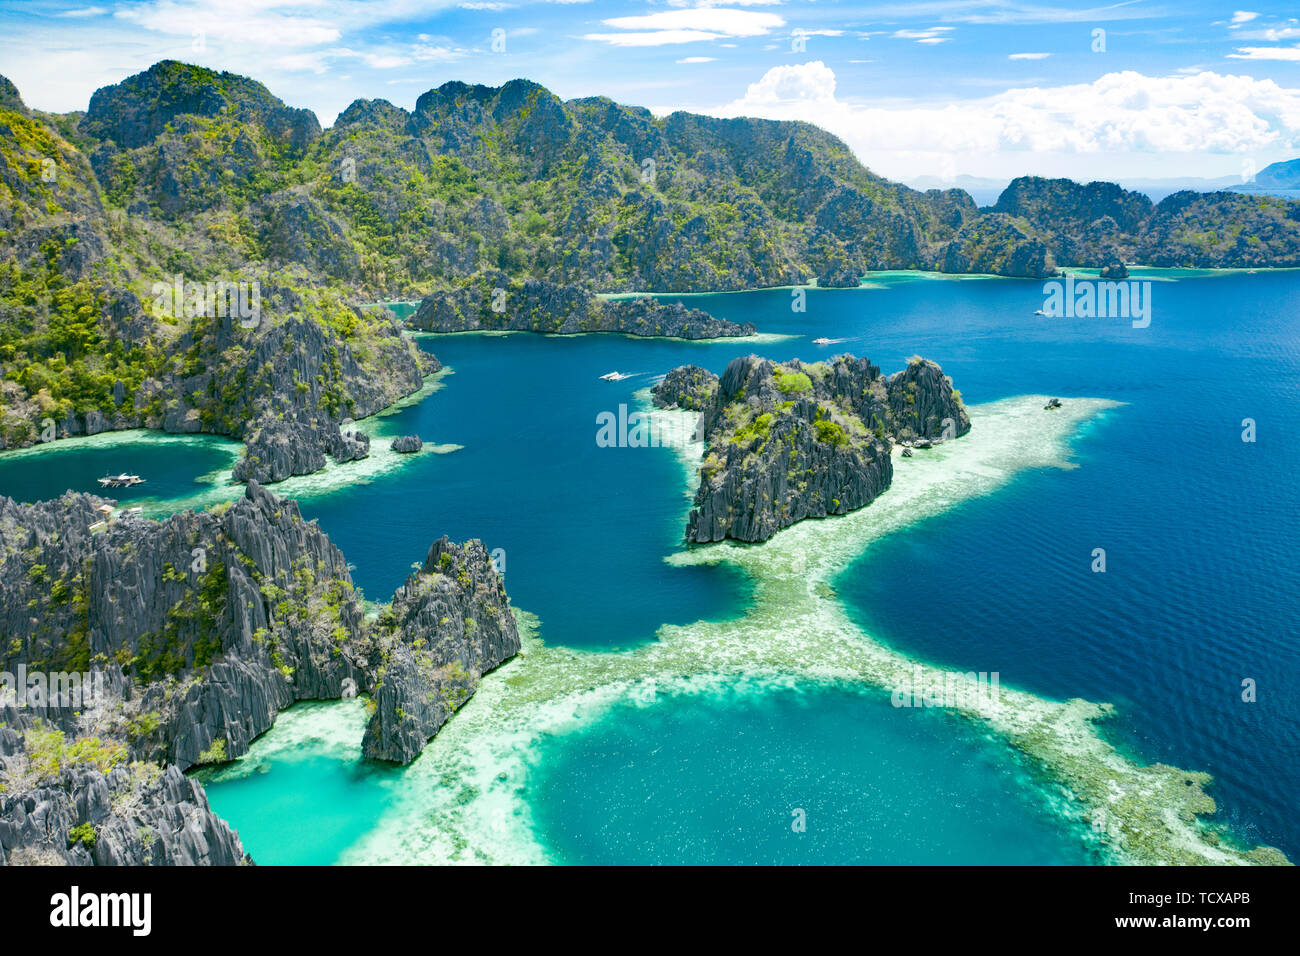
(1118, 113)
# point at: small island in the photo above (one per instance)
(789, 441)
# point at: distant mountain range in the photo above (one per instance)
(1279, 179)
(185, 174)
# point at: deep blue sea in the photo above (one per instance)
(1200, 593)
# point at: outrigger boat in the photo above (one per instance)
(614, 377)
(120, 481)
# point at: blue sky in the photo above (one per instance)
(983, 87)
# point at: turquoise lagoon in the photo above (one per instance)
(666, 711)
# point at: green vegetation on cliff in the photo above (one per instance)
(189, 172)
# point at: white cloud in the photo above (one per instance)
(83, 12)
(391, 58)
(1009, 11)
(1266, 53)
(1243, 16)
(1118, 113)
(236, 22)
(655, 38)
(687, 26)
(736, 23)
(1273, 34)
(1028, 56)
(697, 59)
(272, 23)
(930, 35)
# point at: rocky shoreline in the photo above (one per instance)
(202, 627)
(495, 303)
(785, 442)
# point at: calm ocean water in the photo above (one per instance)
(1200, 591)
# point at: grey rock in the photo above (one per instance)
(449, 624)
(795, 441)
(407, 444)
(493, 302)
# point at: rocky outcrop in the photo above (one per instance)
(1114, 269)
(280, 449)
(134, 112)
(406, 444)
(792, 441)
(197, 630)
(687, 386)
(1257, 231)
(449, 624)
(496, 303)
(923, 404)
(200, 628)
(81, 815)
(994, 244)
(1081, 223)
(838, 275)
(250, 595)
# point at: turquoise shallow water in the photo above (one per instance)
(1200, 590)
(305, 810)
(173, 466)
(725, 778)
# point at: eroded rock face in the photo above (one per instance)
(202, 628)
(923, 404)
(280, 449)
(1114, 269)
(994, 244)
(449, 624)
(406, 444)
(792, 441)
(199, 629)
(493, 302)
(687, 386)
(137, 816)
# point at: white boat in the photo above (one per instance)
(614, 377)
(120, 481)
(821, 341)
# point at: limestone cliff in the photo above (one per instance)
(449, 624)
(493, 302)
(792, 441)
(198, 630)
